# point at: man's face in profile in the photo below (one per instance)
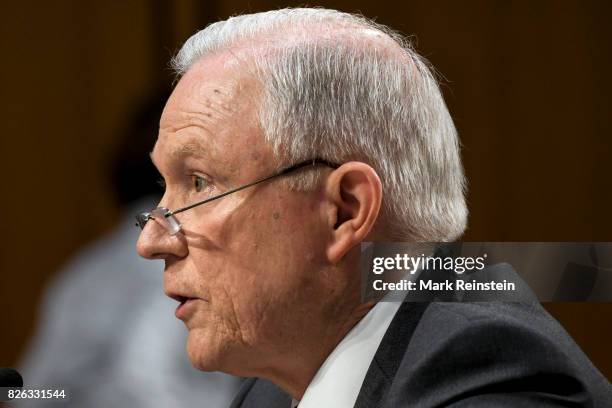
(245, 261)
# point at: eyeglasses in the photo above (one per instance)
(166, 218)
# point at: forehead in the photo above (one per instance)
(212, 112)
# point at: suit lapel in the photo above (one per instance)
(389, 355)
(256, 393)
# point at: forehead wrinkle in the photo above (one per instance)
(201, 100)
(218, 103)
(187, 119)
(178, 153)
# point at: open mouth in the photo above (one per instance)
(181, 299)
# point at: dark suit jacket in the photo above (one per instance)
(468, 355)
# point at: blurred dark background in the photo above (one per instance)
(528, 84)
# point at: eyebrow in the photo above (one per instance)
(191, 148)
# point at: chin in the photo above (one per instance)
(204, 352)
(209, 352)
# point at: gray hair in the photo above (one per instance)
(341, 87)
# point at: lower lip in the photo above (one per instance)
(181, 309)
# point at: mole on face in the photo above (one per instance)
(276, 216)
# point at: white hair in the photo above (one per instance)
(340, 87)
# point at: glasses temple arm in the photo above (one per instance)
(280, 173)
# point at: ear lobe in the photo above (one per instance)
(355, 191)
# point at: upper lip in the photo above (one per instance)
(179, 297)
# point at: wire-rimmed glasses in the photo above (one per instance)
(166, 218)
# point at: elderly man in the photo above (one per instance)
(292, 137)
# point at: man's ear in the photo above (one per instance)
(355, 193)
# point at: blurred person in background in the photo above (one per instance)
(106, 332)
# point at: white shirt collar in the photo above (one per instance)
(339, 379)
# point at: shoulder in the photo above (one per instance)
(467, 350)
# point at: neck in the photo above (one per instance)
(303, 361)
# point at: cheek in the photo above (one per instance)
(260, 264)
(249, 296)
(218, 330)
(233, 287)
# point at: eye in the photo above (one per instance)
(199, 183)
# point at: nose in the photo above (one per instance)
(155, 242)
